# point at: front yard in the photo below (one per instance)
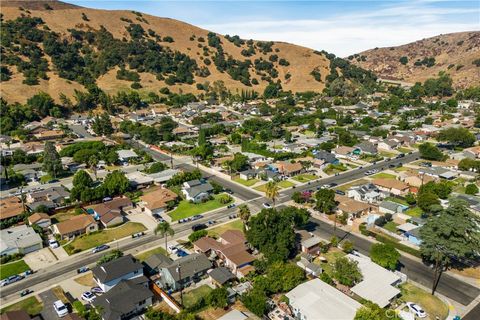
(347, 186)
(331, 256)
(187, 209)
(391, 226)
(88, 241)
(414, 212)
(431, 304)
(383, 175)
(304, 177)
(147, 254)
(234, 225)
(286, 184)
(246, 183)
(31, 305)
(13, 268)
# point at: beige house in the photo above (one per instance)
(392, 186)
(40, 219)
(77, 225)
(354, 208)
(157, 201)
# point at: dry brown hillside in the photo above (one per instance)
(453, 53)
(60, 17)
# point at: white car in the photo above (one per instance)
(88, 296)
(60, 308)
(53, 243)
(416, 310)
(267, 205)
(172, 248)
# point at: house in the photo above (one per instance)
(378, 284)
(391, 207)
(366, 147)
(182, 272)
(15, 315)
(318, 300)
(125, 156)
(10, 207)
(438, 172)
(346, 152)
(327, 157)
(49, 135)
(392, 186)
(289, 169)
(311, 245)
(109, 274)
(51, 198)
(354, 208)
(414, 179)
(472, 152)
(231, 250)
(156, 262)
(411, 232)
(31, 172)
(163, 176)
(20, 239)
(389, 144)
(234, 315)
(221, 275)
(197, 191)
(157, 201)
(40, 219)
(248, 174)
(111, 212)
(75, 226)
(139, 179)
(366, 192)
(309, 267)
(126, 300)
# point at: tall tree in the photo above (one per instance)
(385, 255)
(164, 230)
(92, 163)
(51, 160)
(272, 191)
(325, 200)
(450, 238)
(244, 214)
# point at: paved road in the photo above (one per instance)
(474, 314)
(449, 286)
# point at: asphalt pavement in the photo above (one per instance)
(474, 314)
(48, 298)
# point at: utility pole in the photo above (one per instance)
(180, 282)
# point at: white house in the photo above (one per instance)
(318, 300)
(196, 191)
(21, 239)
(109, 274)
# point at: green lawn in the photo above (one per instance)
(32, 305)
(246, 183)
(400, 169)
(404, 150)
(88, 241)
(335, 168)
(186, 209)
(12, 268)
(286, 184)
(397, 200)
(391, 226)
(383, 175)
(431, 304)
(304, 177)
(145, 255)
(347, 186)
(387, 154)
(414, 212)
(332, 255)
(234, 225)
(191, 297)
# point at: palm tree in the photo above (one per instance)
(271, 191)
(244, 214)
(164, 230)
(92, 163)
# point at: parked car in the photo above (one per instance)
(199, 226)
(233, 205)
(12, 279)
(52, 243)
(157, 217)
(97, 290)
(210, 222)
(416, 309)
(88, 296)
(196, 217)
(60, 308)
(25, 292)
(181, 253)
(340, 192)
(83, 269)
(267, 205)
(138, 234)
(228, 191)
(100, 248)
(172, 248)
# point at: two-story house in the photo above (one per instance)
(108, 275)
(184, 271)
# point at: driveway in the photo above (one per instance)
(40, 259)
(148, 221)
(48, 298)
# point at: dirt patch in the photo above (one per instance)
(85, 280)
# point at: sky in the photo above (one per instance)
(339, 27)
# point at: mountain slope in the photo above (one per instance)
(454, 53)
(291, 64)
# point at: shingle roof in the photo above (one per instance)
(221, 275)
(122, 299)
(116, 268)
(10, 207)
(158, 261)
(189, 265)
(76, 223)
